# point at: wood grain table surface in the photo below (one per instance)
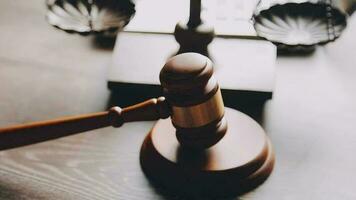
(47, 73)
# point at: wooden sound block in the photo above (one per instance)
(241, 161)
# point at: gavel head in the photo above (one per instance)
(194, 95)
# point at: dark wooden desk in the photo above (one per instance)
(46, 73)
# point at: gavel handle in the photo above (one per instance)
(20, 135)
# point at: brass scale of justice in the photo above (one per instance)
(197, 147)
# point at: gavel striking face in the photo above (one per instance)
(192, 99)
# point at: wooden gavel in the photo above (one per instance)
(192, 99)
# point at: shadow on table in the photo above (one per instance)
(170, 196)
(104, 42)
(299, 51)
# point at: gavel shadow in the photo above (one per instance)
(191, 158)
